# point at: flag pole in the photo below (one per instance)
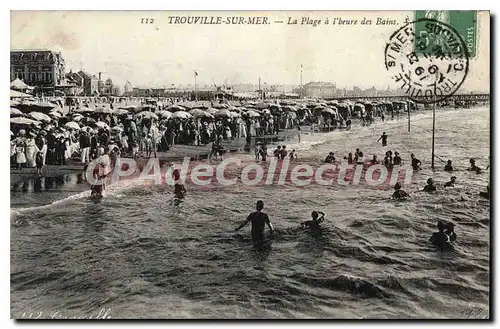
(260, 91)
(195, 86)
(301, 88)
(434, 122)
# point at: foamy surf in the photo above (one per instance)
(112, 190)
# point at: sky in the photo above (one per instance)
(162, 54)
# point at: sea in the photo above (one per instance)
(142, 253)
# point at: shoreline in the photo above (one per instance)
(178, 152)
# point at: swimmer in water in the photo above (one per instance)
(440, 239)
(179, 189)
(330, 158)
(313, 224)
(451, 183)
(449, 229)
(283, 152)
(263, 153)
(473, 166)
(397, 159)
(259, 221)
(485, 194)
(415, 163)
(349, 158)
(277, 152)
(448, 166)
(430, 187)
(383, 138)
(399, 194)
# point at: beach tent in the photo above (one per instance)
(18, 94)
(18, 84)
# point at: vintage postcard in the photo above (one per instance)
(250, 165)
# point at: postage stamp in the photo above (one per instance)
(463, 21)
(428, 66)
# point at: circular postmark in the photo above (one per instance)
(427, 59)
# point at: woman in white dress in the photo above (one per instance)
(253, 131)
(20, 155)
(30, 151)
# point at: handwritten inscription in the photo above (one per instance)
(474, 313)
(103, 314)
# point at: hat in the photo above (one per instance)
(22, 132)
(430, 181)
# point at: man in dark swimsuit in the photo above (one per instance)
(313, 224)
(383, 138)
(430, 187)
(448, 166)
(259, 221)
(330, 158)
(415, 163)
(440, 239)
(396, 159)
(473, 167)
(399, 194)
(451, 183)
(179, 189)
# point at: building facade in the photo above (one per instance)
(90, 83)
(39, 68)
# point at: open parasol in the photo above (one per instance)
(72, 125)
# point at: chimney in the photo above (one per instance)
(99, 75)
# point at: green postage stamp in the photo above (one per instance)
(464, 22)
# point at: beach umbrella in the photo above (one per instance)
(148, 115)
(84, 110)
(223, 113)
(40, 116)
(104, 110)
(328, 111)
(120, 112)
(72, 125)
(101, 124)
(196, 112)
(235, 115)
(55, 114)
(165, 114)
(23, 121)
(181, 115)
(212, 110)
(16, 113)
(261, 106)
(128, 107)
(265, 111)
(175, 108)
(220, 106)
(88, 120)
(252, 114)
